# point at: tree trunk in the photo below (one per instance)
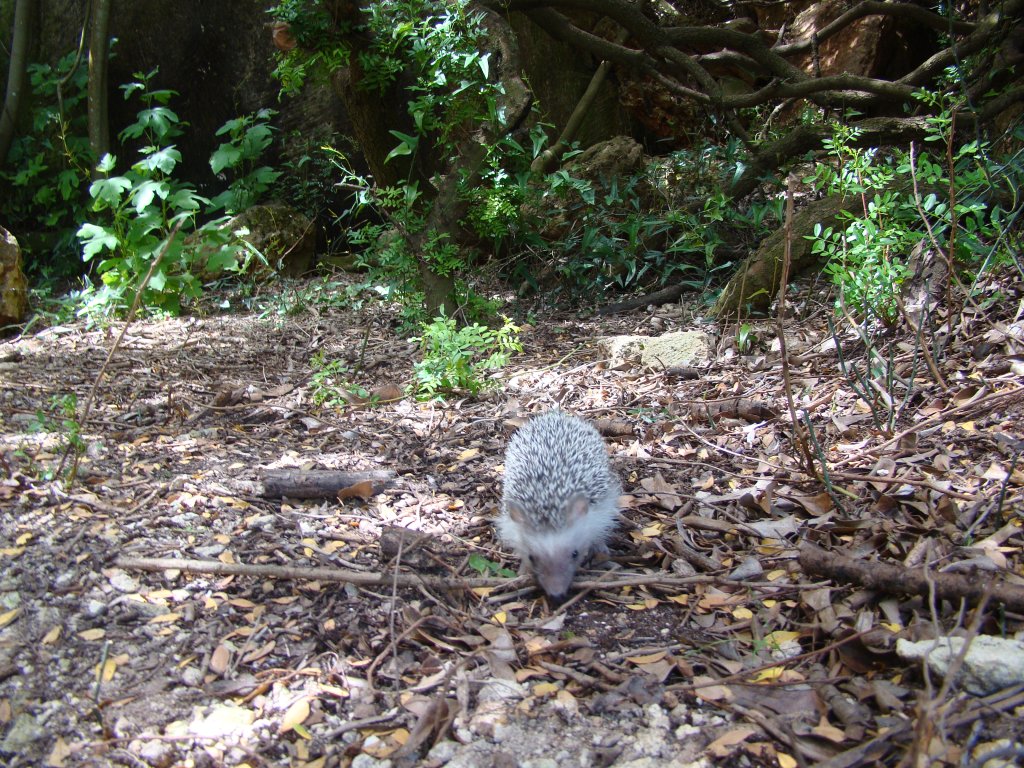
(24, 26)
(756, 282)
(375, 114)
(99, 49)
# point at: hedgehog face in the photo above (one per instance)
(553, 557)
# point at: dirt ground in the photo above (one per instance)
(319, 632)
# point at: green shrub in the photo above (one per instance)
(145, 211)
(458, 359)
(48, 170)
(946, 198)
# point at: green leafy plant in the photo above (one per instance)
(433, 55)
(145, 211)
(140, 209)
(330, 383)
(637, 232)
(946, 199)
(486, 567)
(248, 137)
(49, 169)
(746, 337)
(60, 419)
(458, 359)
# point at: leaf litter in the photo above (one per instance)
(749, 613)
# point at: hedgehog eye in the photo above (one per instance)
(575, 554)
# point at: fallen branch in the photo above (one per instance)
(322, 484)
(298, 573)
(895, 579)
(366, 578)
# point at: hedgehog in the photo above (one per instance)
(560, 498)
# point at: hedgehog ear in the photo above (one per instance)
(517, 512)
(576, 508)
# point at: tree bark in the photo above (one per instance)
(756, 282)
(17, 80)
(99, 56)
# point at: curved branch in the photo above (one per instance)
(866, 8)
(976, 41)
(665, 53)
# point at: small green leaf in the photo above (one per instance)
(406, 147)
(225, 157)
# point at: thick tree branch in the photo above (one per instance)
(906, 11)
(679, 56)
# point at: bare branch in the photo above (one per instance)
(867, 8)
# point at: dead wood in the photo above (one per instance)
(321, 484)
(336, 575)
(736, 408)
(368, 578)
(664, 296)
(895, 579)
(756, 281)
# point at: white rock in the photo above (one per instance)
(991, 663)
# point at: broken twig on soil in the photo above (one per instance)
(895, 579)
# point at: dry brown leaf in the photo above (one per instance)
(220, 659)
(828, 731)
(363, 490)
(725, 744)
(60, 752)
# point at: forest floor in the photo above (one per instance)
(715, 635)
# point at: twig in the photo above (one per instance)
(87, 408)
(798, 434)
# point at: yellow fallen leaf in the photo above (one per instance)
(468, 454)
(227, 557)
(23, 539)
(647, 604)
(768, 675)
(711, 692)
(52, 636)
(96, 633)
(680, 599)
(742, 614)
(9, 616)
(220, 658)
(11, 551)
(781, 637)
(60, 752)
(544, 689)
(786, 761)
(333, 690)
(723, 745)
(776, 574)
(296, 715)
(826, 730)
(165, 618)
(107, 670)
(649, 658)
(501, 617)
